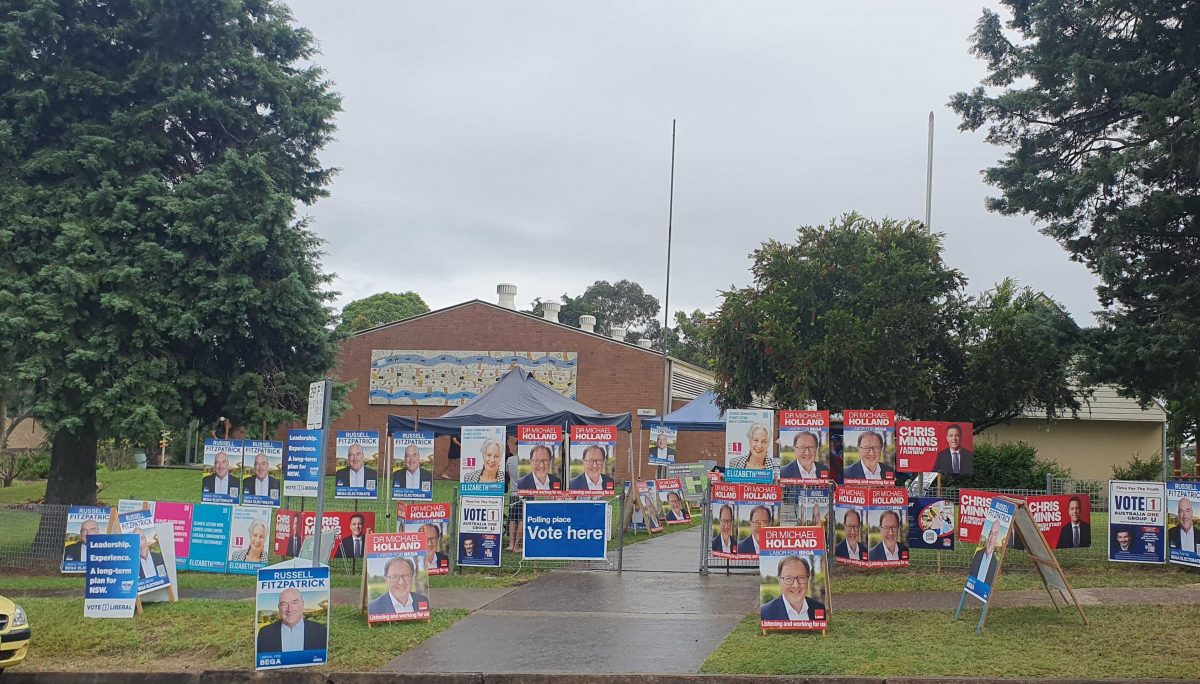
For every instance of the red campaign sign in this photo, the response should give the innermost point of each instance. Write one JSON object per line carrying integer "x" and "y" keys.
{"x": 791, "y": 538}
{"x": 804, "y": 419}
{"x": 392, "y": 543}
{"x": 760, "y": 492}
{"x": 593, "y": 433}
{"x": 851, "y": 496}
{"x": 713, "y": 476}
{"x": 413, "y": 512}
{"x": 539, "y": 433}
{"x": 924, "y": 446}
{"x": 858, "y": 418}
{"x": 337, "y": 523}
{"x": 724, "y": 491}
{"x": 893, "y": 497}
{"x": 973, "y": 505}
{"x": 382, "y": 608}
{"x": 1051, "y": 513}
{"x": 669, "y": 483}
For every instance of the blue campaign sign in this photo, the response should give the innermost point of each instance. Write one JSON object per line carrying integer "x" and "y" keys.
{"x": 302, "y": 463}
{"x": 749, "y": 475}
{"x": 565, "y": 530}
{"x": 931, "y": 524}
{"x": 210, "y": 538}
{"x": 112, "y": 575}
{"x": 985, "y": 564}
{"x": 291, "y": 617}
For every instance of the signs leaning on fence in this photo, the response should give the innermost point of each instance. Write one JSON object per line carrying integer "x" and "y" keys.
{"x": 432, "y": 521}
{"x": 1137, "y": 522}
{"x": 82, "y": 523}
{"x": 750, "y": 446}
{"x": 1182, "y": 501}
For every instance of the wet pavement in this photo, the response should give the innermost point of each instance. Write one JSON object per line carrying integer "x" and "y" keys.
{"x": 591, "y": 623}
{"x": 675, "y": 552}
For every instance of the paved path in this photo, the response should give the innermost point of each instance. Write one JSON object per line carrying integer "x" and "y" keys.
{"x": 675, "y": 552}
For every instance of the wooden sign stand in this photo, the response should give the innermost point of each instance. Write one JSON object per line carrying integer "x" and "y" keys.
{"x": 627, "y": 513}
{"x": 1043, "y": 559}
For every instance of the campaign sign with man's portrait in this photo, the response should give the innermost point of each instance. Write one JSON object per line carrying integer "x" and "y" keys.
{"x": 291, "y": 626}
{"x": 82, "y": 522}
{"x": 480, "y": 524}
{"x": 1183, "y": 498}
{"x": 985, "y": 565}
{"x": 1137, "y": 522}
{"x": 869, "y": 443}
{"x": 662, "y": 445}
{"x": 758, "y": 507}
{"x": 809, "y": 507}
{"x": 432, "y": 521}
{"x": 674, "y": 508}
{"x": 111, "y": 566}
{"x": 593, "y": 461}
{"x": 539, "y": 460}
{"x": 396, "y": 578}
{"x": 804, "y": 448}
{"x": 929, "y": 446}
{"x": 648, "y": 514}
{"x": 152, "y": 562}
{"x": 249, "y": 539}
{"x": 931, "y": 524}
{"x": 221, "y": 481}
{"x": 973, "y": 505}
{"x": 412, "y": 466}
{"x": 887, "y": 519}
{"x": 262, "y": 484}
{"x": 792, "y": 588}
{"x": 750, "y": 446}
{"x": 481, "y": 467}
{"x": 850, "y": 525}
{"x": 357, "y": 473}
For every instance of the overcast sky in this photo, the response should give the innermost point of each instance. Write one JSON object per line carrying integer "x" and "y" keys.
{"x": 529, "y": 143}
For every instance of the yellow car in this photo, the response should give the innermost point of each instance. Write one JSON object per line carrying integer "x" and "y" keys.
{"x": 14, "y": 634}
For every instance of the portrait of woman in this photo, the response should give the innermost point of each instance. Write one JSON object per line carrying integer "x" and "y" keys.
{"x": 255, "y": 550}
{"x": 490, "y": 453}
{"x": 759, "y": 455}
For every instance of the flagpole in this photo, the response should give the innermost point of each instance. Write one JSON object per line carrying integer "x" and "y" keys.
{"x": 929, "y": 176}
{"x": 666, "y": 396}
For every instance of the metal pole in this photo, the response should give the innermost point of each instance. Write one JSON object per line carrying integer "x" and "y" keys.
{"x": 666, "y": 398}
{"x": 320, "y": 523}
{"x": 929, "y": 176}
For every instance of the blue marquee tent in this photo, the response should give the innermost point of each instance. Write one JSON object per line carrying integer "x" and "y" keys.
{"x": 516, "y": 399}
{"x": 698, "y": 415}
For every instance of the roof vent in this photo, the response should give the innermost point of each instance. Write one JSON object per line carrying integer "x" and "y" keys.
{"x": 508, "y": 295}
{"x": 618, "y": 333}
{"x": 587, "y": 323}
{"x": 645, "y": 343}
{"x": 550, "y": 311}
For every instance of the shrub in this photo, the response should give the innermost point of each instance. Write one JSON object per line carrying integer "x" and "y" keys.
{"x": 1009, "y": 465}
{"x": 1149, "y": 470}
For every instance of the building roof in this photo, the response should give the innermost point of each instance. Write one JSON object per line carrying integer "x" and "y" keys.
{"x": 1106, "y": 403}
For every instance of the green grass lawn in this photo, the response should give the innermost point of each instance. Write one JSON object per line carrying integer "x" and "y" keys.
{"x": 1120, "y": 642}
{"x": 201, "y": 635}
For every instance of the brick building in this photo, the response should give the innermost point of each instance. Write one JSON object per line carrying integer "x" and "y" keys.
{"x": 606, "y": 374}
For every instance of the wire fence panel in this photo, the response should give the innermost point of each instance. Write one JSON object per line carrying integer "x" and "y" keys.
{"x": 21, "y": 545}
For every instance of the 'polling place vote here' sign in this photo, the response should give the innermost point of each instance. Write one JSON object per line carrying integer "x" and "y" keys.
{"x": 565, "y": 530}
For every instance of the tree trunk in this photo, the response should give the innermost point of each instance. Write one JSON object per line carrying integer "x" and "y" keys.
{"x": 72, "y": 479}
{"x": 72, "y": 482}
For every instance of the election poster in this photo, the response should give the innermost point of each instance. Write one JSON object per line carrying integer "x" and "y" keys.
{"x": 480, "y": 524}
{"x": 539, "y": 460}
{"x": 296, "y": 598}
{"x": 804, "y": 448}
{"x": 985, "y": 564}
{"x": 412, "y": 474}
{"x": 289, "y": 534}
{"x": 670, "y": 497}
{"x": 395, "y": 578}
{"x": 758, "y": 506}
{"x": 648, "y": 514}
{"x": 179, "y": 517}
{"x": 482, "y": 463}
{"x": 662, "y": 445}
{"x": 111, "y": 567}
{"x": 357, "y": 474}
{"x": 1182, "y": 498}
{"x": 749, "y": 442}
{"x": 931, "y": 524}
{"x": 82, "y": 523}
{"x": 1065, "y": 520}
{"x": 724, "y": 520}
{"x": 221, "y": 481}
{"x": 592, "y": 460}
{"x": 850, "y": 525}
{"x": 694, "y": 478}
{"x": 887, "y": 515}
{"x": 566, "y": 530}
{"x": 870, "y": 447}
{"x": 347, "y": 529}
{"x": 153, "y": 564}
{"x": 929, "y": 446}
{"x": 163, "y": 534}
{"x": 249, "y": 530}
{"x": 210, "y": 538}
{"x": 811, "y": 507}
{"x": 793, "y": 589}
{"x": 973, "y": 505}
{"x": 264, "y": 465}
{"x": 302, "y": 469}
{"x": 432, "y": 521}
{"x": 1137, "y": 522}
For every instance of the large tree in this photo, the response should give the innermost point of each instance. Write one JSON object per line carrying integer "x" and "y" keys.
{"x": 865, "y": 314}
{"x": 1098, "y": 104}
{"x": 151, "y": 265}
{"x": 380, "y": 308}
{"x": 623, "y": 303}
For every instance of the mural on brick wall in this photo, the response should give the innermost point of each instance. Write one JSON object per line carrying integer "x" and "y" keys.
{"x": 452, "y": 378}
